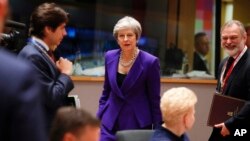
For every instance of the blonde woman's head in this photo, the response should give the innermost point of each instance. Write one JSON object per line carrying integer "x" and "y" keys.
{"x": 177, "y": 105}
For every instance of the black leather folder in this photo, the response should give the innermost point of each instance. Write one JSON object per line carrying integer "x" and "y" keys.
{"x": 222, "y": 108}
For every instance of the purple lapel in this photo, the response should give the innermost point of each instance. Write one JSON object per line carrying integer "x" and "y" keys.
{"x": 133, "y": 74}
{"x": 112, "y": 67}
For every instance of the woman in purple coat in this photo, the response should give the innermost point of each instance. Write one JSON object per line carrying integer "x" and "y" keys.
{"x": 131, "y": 94}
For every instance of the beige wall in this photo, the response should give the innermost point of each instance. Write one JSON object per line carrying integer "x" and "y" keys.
{"x": 241, "y": 11}
{"x": 89, "y": 93}
{"x": 185, "y": 26}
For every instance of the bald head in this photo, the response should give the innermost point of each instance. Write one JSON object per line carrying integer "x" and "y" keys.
{"x": 3, "y": 12}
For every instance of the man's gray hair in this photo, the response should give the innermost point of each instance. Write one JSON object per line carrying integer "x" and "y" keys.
{"x": 234, "y": 22}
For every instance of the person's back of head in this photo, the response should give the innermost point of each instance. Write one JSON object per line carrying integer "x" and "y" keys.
{"x": 71, "y": 124}
{"x": 177, "y": 107}
{"x": 46, "y": 14}
{"x": 201, "y": 43}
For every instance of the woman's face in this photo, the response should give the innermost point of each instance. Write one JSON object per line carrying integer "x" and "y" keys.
{"x": 126, "y": 39}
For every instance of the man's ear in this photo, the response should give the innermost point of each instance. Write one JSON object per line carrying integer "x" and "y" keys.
{"x": 47, "y": 30}
{"x": 68, "y": 137}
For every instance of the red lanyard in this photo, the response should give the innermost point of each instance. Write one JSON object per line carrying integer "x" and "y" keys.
{"x": 225, "y": 80}
{"x": 229, "y": 73}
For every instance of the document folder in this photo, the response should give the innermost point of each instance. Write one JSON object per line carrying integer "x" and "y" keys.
{"x": 222, "y": 108}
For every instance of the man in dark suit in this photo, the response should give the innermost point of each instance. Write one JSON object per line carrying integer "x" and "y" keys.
{"x": 201, "y": 42}
{"x": 234, "y": 81}
{"x": 21, "y": 117}
{"x": 47, "y": 29}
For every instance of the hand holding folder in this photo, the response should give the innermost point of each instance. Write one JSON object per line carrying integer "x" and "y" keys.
{"x": 222, "y": 108}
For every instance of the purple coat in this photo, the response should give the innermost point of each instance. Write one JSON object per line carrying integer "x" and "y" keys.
{"x": 140, "y": 91}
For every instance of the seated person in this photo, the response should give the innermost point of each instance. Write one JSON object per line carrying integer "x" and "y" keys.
{"x": 177, "y": 108}
{"x": 71, "y": 124}
{"x": 201, "y": 44}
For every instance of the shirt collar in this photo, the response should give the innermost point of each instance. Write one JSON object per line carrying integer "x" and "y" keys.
{"x": 201, "y": 56}
{"x": 41, "y": 42}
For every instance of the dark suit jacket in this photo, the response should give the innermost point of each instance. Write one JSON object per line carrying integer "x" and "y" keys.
{"x": 22, "y": 117}
{"x": 199, "y": 64}
{"x": 238, "y": 86}
{"x": 56, "y": 85}
{"x": 140, "y": 91}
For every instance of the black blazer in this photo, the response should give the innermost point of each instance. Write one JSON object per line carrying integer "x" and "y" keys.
{"x": 21, "y": 117}
{"x": 238, "y": 86}
{"x": 199, "y": 64}
{"x": 56, "y": 85}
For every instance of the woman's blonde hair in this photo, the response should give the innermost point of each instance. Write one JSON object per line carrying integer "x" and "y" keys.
{"x": 175, "y": 103}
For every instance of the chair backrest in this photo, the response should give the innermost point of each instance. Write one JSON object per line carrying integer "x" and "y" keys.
{"x": 134, "y": 135}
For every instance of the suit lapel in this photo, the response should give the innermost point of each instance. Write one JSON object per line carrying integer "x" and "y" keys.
{"x": 133, "y": 74}
{"x": 112, "y": 66}
{"x": 51, "y": 64}
{"x": 219, "y": 89}
{"x": 236, "y": 70}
